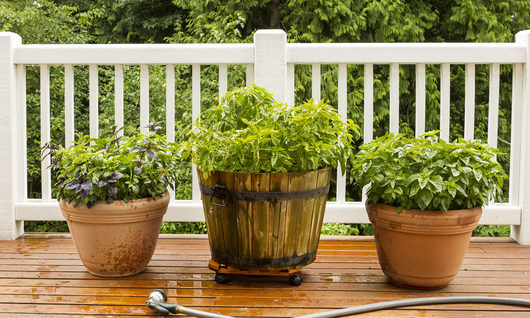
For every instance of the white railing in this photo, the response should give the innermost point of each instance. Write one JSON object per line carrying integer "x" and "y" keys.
{"x": 270, "y": 62}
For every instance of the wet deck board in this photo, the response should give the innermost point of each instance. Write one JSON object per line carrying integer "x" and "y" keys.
{"x": 42, "y": 275}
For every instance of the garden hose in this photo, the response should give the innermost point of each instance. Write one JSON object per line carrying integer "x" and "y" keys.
{"x": 157, "y": 301}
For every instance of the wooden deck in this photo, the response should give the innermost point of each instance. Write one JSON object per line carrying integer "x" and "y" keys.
{"x": 43, "y": 275}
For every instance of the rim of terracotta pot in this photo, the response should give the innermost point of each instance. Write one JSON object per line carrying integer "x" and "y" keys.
{"x": 428, "y": 222}
{"x": 117, "y": 212}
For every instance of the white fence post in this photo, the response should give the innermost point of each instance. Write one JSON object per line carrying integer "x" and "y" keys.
{"x": 270, "y": 62}
{"x": 9, "y": 227}
{"x": 521, "y": 233}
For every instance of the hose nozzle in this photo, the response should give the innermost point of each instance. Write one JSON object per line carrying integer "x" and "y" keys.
{"x": 157, "y": 301}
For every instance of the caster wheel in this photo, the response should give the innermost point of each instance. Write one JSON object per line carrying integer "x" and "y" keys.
{"x": 221, "y": 278}
{"x": 296, "y": 280}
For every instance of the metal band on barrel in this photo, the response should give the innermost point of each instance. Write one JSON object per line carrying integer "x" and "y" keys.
{"x": 231, "y": 260}
{"x": 221, "y": 192}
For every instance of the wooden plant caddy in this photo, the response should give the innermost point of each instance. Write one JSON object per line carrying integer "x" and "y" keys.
{"x": 222, "y": 271}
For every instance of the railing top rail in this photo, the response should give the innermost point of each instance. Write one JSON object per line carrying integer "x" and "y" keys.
{"x": 405, "y": 53}
{"x": 300, "y": 53}
{"x": 134, "y": 54}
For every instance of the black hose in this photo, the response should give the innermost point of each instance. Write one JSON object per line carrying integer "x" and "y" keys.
{"x": 157, "y": 301}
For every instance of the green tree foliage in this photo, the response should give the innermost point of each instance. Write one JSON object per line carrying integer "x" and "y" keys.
{"x": 42, "y": 21}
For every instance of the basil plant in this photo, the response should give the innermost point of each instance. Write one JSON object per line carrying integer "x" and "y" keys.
{"x": 250, "y": 132}
{"x": 428, "y": 173}
{"x": 114, "y": 167}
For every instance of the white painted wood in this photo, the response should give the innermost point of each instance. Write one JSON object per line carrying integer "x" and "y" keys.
{"x": 191, "y": 211}
{"x": 110, "y": 54}
{"x": 275, "y": 60}
{"x": 170, "y": 102}
{"x": 93, "y": 90}
{"x": 22, "y": 171}
{"x": 343, "y": 112}
{"x": 342, "y": 91}
{"x": 516, "y": 133}
{"x": 118, "y": 97}
{"x": 420, "y": 100}
{"x": 394, "y": 98}
{"x": 493, "y": 109}
{"x": 9, "y": 163}
{"x": 270, "y": 64}
{"x": 195, "y": 112}
{"x": 45, "y": 130}
{"x": 144, "y": 98}
{"x": 170, "y": 110}
{"x": 223, "y": 80}
{"x": 69, "y": 129}
{"x": 290, "y": 84}
{"x": 521, "y": 233}
{"x": 298, "y": 53}
{"x": 405, "y": 53}
{"x": 316, "y": 86}
{"x": 249, "y": 74}
{"x": 368, "y": 130}
{"x": 355, "y": 212}
{"x": 445, "y": 84}
{"x": 469, "y": 115}
{"x": 368, "y": 103}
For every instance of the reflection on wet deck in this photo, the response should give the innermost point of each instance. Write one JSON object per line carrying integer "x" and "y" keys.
{"x": 42, "y": 274}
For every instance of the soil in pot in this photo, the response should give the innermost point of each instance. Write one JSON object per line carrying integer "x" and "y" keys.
{"x": 117, "y": 239}
{"x": 421, "y": 249}
{"x": 264, "y": 221}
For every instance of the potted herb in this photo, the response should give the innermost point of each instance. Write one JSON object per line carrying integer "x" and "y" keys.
{"x": 112, "y": 192}
{"x": 425, "y": 199}
{"x": 264, "y": 170}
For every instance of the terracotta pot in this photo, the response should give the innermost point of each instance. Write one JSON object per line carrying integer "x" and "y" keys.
{"x": 421, "y": 249}
{"x": 117, "y": 239}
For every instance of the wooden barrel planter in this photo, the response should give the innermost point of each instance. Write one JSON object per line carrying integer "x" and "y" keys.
{"x": 264, "y": 223}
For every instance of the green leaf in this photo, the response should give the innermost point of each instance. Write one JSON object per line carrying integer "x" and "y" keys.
{"x": 427, "y": 173}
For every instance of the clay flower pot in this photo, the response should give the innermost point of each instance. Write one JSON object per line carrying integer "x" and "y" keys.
{"x": 116, "y": 239}
{"x": 421, "y": 249}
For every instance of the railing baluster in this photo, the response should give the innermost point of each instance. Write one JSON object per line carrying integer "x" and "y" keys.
{"x": 22, "y": 176}
{"x": 195, "y": 112}
{"x": 170, "y": 109}
{"x": 420, "y": 100}
{"x": 144, "y": 98}
{"x": 223, "y": 76}
{"x": 45, "y": 129}
{"x": 515, "y": 139}
{"x": 249, "y": 74}
{"x": 170, "y": 102}
{"x": 343, "y": 112}
{"x": 368, "y": 130}
{"x": 118, "y": 97}
{"x": 68, "y": 105}
{"x": 368, "y": 102}
{"x": 289, "y": 99}
{"x": 394, "y": 98}
{"x": 469, "y": 117}
{"x": 493, "y": 111}
{"x": 445, "y": 87}
{"x": 93, "y": 97}
{"x": 315, "y": 82}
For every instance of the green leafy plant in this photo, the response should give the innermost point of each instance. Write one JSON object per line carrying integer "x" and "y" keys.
{"x": 427, "y": 173}
{"x": 114, "y": 167}
{"x": 250, "y": 132}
